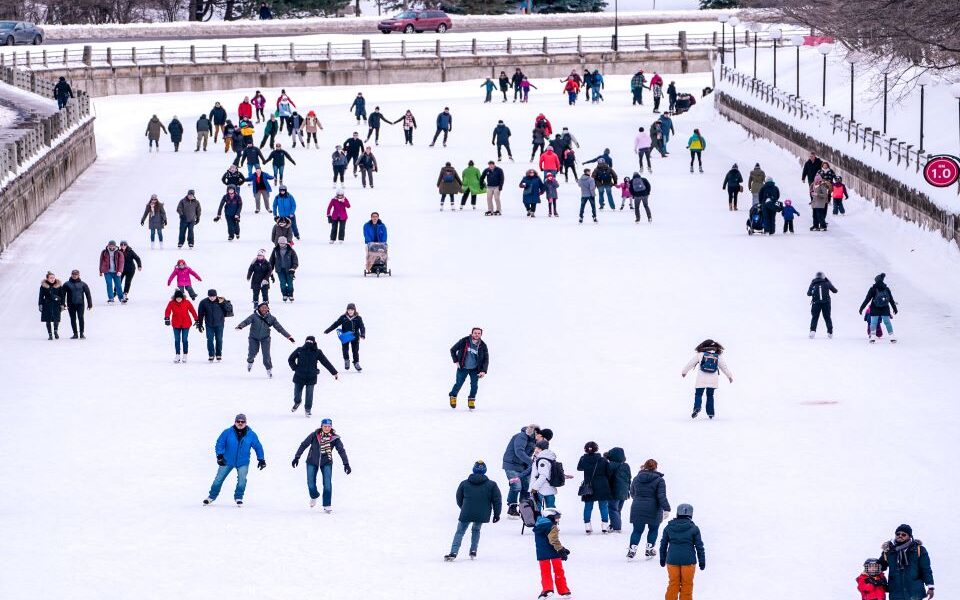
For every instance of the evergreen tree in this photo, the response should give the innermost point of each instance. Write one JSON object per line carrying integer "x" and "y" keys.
{"x": 707, "y": 4}
{"x": 310, "y": 8}
{"x": 479, "y": 7}
{"x": 568, "y": 6}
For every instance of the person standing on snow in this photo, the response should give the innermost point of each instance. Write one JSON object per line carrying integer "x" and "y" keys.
{"x": 696, "y": 145}
{"x": 732, "y": 182}
{"x": 539, "y": 141}
{"x": 245, "y": 110}
{"x": 550, "y": 187}
{"x": 177, "y": 315}
{"x": 312, "y": 125}
{"x": 368, "y": 166}
{"x": 51, "y": 302}
{"x": 131, "y": 264}
{"x": 571, "y": 88}
{"x": 156, "y": 218}
{"x": 337, "y": 216}
{"x": 619, "y": 484}
{"x": 533, "y": 188}
{"x": 204, "y": 130}
{"x": 540, "y": 488}
{"x": 175, "y": 127}
{"x": 260, "y": 184}
{"x": 359, "y": 108}
{"x": 710, "y": 363}
{"x": 501, "y": 139}
{"x": 595, "y": 486}
{"x": 472, "y": 358}
{"x": 657, "y": 90}
{"x": 285, "y": 207}
{"x": 111, "y": 268}
{"x": 471, "y": 185}
{"x": 477, "y": 497}
{"x": 755, "y": 182}
{"x": 649, "y": 507}
{"x": 182, "y": 273}
{"x": 550, "y": 554}
{"x": 515, "y": 82}
{"x": 232, "y": 176}
{"x": 233, "y": 204}
{"x": 75, "y": 291}
{"x": 270, "y": 131}
{"x": 444, "y": 126}
{"x": 350, "y": 321}
{"x": 819, "y": 201}
{"x": 211, "y": 315}
{"x": 839, "y": 194}
{"x": 258, "y": 102}
{"x": 819, "y": 292}
{"x": 588, "y": 189}
{"x": 872, "y": 584}
{"x": 789, "y": 212}
{"x": 492, "y": 178}
{"x": 260, "y": 274}
{"x": 409, "y": 123}
{"x": 339, "y": 160}
{"x": 908, "y": 563}
{"x": 680, "y": 550}
{"x": 525, "y": 86}
{"x": 303, "y": 362}
{"x": 252, "y": 156}
{"x": 810, "y": 169}
{"x": 637, "y": 83}
{"x": 770, "y": 201}
{"x": 517, "y": 463}
{"x": 62, "y": 92}
{"x": 640, "y": 193}
{"x": 233, "y": 452}
{"x": 261, "y": 322}
{"x": 672, "y": 96}
{"x": 322, "y": 443}
{"x": 504, "y": 82}
{"x": 218, "y": 115}
{"x": 880, "y": 299}
{"x": 353, "y": 146}
{"x": 448, "y": 184}
{"x": 154, "y": 126}
{"x": 488, "y": 86}
{"x": 285, "y": 108}
{"x": 189, "y": 210}
{"x": 643, "y": 146}
{"x": 285, "y": 262}
{"x": 373, "y": 125}
{"x": 606, "y": 178}
{"x": 279, "y": 157}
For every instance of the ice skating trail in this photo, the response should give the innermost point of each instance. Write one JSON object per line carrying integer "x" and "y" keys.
{"x": 821, "y": 447}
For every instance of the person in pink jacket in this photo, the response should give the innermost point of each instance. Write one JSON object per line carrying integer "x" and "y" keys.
{"x": 625, "y": 194}
{"x": 337, "y": 216}
{"x": 258, "y": 102}
{"x": 182, "y": 273}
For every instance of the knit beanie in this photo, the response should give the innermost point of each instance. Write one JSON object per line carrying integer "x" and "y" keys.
{"x": 479, "y": 468}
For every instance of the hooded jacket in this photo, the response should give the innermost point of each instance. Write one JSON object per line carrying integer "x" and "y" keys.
{"x": 619, "y": 473}
{"x": 154, "y": 126}
{"x": 478, "y": 496}
{"x": 756, "y": 180}
{"x": 260, "y": 326}
{"x": 519, "y": 452}
{"x": 540, "y": 475}
{"x": 51, "y": 300}
{"x": 649, "y": 493}
{"x": 909, "y": 575}
{"x": 877, "y": 287}
{"x": 819, "y": 290}
{"x": 681, "y": 544}
{"x": 304, "y": 360}
{"x": 179, "y": 313}
{"x": 157, "y": 217}
{"x": 448, "y": 181}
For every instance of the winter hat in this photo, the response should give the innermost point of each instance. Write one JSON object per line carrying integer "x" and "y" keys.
{"x": 282, "y": 188}
{"x": 327, "y": 421}
{"x": 339, "y": 192}
{"x": 769, "y": 179}
{"x": 178, "y": 294}
{"x": 788, "y": 202}
{"x": 500, "y": 122}
{"x": 905, "y": 529}
{"x": 734, "y": 166}
{"x": 351, "y": 305}
{"x": 479, "y": 468}
{"x": 756, "y": 166}
{"x": 191, "y": 193}
{"x": 75, "y": 272}
{"x": 211, "y": 292}
{"x": 240, "y": 417}
{"x": 112, "y": 243}
{"x": 546, "y": 433}
{"x": 311, "y": 340}
{"x": 543, "y": 444}
{"x": 123, "y": 242}
{"x": 685, "y": 510}
{"x": 262, "y": 252}
{"x": 879, "y": 278}
{"x": 282, "y": 240}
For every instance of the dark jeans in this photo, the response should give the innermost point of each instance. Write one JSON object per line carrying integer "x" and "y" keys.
{"x": 272, "y": 137}
{"x": 76, "y": 316}
{"x": 504, "y": 145}
{"x": 286, "y": 282}
{"x": 444, "y": 196}
{"x": 653, "y": 529}
{"x": 214, "y": 340}
{"x": 462, "y": 529}
{"x": 645, "y": 152}
{"x": 466, "y": 194}
{"x": 408, "y": 136}
{"x": 593, "y": 206}
{"x": 462, "y": 375}
{"x": 352, "y": 159}
{"x": 536, "y": 147}
{"x": 820, "y": 218}
{"x": 375, "y": 132}
{"x": 337, "y": 229}
{"x": 614, "y": 507}
{"x": 186, "y": 232}
{"x": 698, "y": 399}
{"x": 788, "y": 225}
{"x": 445, "y": 133}
{"x": 656, "y": 103}
{"x": 815, "y": 311}
{"x": 260, "y": 116}
{"x": 353, "y": 344}
{"x": 732, "y": 193}
{"x": 838, "y": 207}
{"x": 326, "y": 472}
{"x": 637, "y": 96}
{"x": 126, "y": 278}
{"x": 636, "y": 207}
{"x": 188, "y": 289}
{"x": 180, "y": 337}
{"x": 338, "y": 171}
{"x": 261, "y": 290}
{"x": 298, "y": 393}
{"x": 696, "y": 154}
{"x": 157, "y": 232}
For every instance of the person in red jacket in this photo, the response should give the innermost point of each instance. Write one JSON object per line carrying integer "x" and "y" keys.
{"x": 839, "y": 193}
{"x": 549, "y": 162}
{"x": 656, "y": 80}
{"x": 544, "y": 123}
{"x": 572, "y": 88}
{"x": 245, "y": 110}
{"x": 872, "y": 583}
{"x": 177, "y": 315}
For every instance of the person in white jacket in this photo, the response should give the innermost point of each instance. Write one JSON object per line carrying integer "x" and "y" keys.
{"x": 543, "y": 459}
{"x": 643, "y": 145}
{"x": 710, "y": 363}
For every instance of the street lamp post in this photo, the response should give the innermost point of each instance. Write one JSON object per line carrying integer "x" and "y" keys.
{"x": 733, "y": 23}
{"x": 955, "y": 90}
{"x": 723, "y": 37}
{"x": 852, "y": 59}
{"x": 924, "y": 80}
{"x": 824, "y": 49}
{"x": 885, "y": 74}
{"x": 755, "y": 27}
{"x": 616, "y": 24}
{"x": 775, "y": 35}
{"x": 797, "y": 41}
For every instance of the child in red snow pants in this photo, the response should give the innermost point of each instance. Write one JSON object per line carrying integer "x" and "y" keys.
{"x": 547, "y": 578}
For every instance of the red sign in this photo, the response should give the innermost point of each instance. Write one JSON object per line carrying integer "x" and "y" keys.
{"x": 942, "y": 170}
{"x": 816, "y": 40}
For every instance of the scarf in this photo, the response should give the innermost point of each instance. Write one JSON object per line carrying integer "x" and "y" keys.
{"x": 326, "y": 439}
{"x": 901, "y": 550}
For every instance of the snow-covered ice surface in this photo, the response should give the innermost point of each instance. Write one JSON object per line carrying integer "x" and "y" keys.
{"x": 820, "y": 449}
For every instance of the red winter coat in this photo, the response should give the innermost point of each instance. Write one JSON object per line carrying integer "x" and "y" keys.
{"x": 547, "y": 128}
{"x": 571, "y": 86}
{"x": 181, "y": 312}
{"x": 105, "y": 261}
{"x": 657, "y": 80}
{"x": 245, "y": 110}
{"x": 549, "y": 161}
{"x": 872, "y": 591}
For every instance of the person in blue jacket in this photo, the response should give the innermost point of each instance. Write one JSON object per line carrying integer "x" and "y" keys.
{"x": 374, "y": 230}
{"x": 908, "y": 564}
{"x": 532, "y": 190}
{"x": 233, "y": 452}
{"x": 681, "y": 549}
{"x": 284, "y": 205}
{"x": 444, "y": 126}
{"x": 359, "y": 107}
{"x": 666, "y": 127}
{"x": 517, "y": 458}
{"x": 596, "y": 83}
{"x": 789, "y": 212}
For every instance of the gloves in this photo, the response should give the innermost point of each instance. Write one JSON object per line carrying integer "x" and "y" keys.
{"x": 221, "y": 460}
{"x": 197, "y": 222}
{"x": 564, "y": 553}
{"x": 291, "y": 339}
{"x": 496, "y": 518}
{"x": 216, "y": 219}
{"x": 261, "y": 464}
{"x": 295, "y": 462}
{"x": 166, "y": 321}
{"x": 703, "y": 566}
{"x": 347, "y": 469}
{"x": 200, "y": 326}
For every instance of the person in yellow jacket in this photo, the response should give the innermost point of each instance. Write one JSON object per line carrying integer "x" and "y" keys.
{"x": 696, "y": 145}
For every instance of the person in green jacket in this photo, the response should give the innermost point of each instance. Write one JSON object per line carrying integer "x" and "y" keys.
{"x": 696, "y": 145}
{"x": 681, "y": 549}
{"x": 471, "y": 185}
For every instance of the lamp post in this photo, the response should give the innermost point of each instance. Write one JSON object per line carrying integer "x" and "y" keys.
{"x": 955, "y": 90}
{"x": 797, "y": 41}
{"x": 924, "y": 80}
{"x": 723, "y": 37}
{"x": 885, "y": 87}
{"x": 851, "y": 58}
{"x": 733, "y": 23}
{"x": 616, "y": 24}
{"x": 775, "y": 35}
{"x": 824, "y": 49}
{"x": 755, "y": 28}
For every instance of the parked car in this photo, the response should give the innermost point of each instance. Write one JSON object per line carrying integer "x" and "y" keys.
{"x": 18, "y": 32}
{"x": 417, "y": 20}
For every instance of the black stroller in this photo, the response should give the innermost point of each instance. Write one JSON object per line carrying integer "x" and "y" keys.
{"x": 755, "y": 220}
{"x": 683, "y": 103}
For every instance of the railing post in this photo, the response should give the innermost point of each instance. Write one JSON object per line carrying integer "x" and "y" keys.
{"x": 646, "y": 41}
{"x": 28, "y": 59}
{"x": 109, "y": 56}
{"x": 133, "y": 55}
{"x": 682, "y": 41}
{"x": 509, "y": 45}
{"x": 193, "y": 53}
{"x": 87, "y": 55}
{"x": 64, "y": 57}
{"x": 329, "y": 51}
{"x": 438, "y": 47}
{"x": 544, "y": 44}
{"x": 293, "y": 51}
{"x": 473, "y": 46}
{"x": 403, "y": 47}
{"x": 44, "y": 57}
{"x": 163, "y": 55}
{"x": 713, "y": 42}
{"x": 579, "y": 44}
{"x": 256, "y": 52}
{"x": 365, "y": 49}
{"x": 223, "y": 53}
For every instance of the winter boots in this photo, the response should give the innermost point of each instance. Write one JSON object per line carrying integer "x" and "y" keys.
{"x": 450, "y": 558}
{"x": 471, "y": 403}
{"x": 632, "y": 551}
{"x": 356, "y": 365}
{"x": 453, "y": 401}
{"x": 650, "y": 552}
{"x": 513, "y": 512}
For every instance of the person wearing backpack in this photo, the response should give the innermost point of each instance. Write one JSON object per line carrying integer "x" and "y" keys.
{"x": 708, "y": 358}
{"x": 650, "y": 505}
{"x": 543, "y": 482}
{"x": 448, "y": 183}
{"x": 477, "y": 496}
{"x": 640, "y": 191}
{"x": 819, "y": 292}
{"x": 880, "y": 299}
{"x": 595, "y": 486}
{"x": 606, "y": 178}
{"x": 619, "y": 483}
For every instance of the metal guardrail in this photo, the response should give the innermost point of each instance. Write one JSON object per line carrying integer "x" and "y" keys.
{"x": 41, "y": 59}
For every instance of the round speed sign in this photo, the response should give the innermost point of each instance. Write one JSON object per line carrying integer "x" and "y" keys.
{"x": 942, "y": 170}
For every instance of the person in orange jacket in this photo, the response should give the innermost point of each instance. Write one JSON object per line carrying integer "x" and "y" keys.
{"x": 177, "y": 315}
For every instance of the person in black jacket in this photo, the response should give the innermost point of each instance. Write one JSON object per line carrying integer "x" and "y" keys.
{"x": 640, "y": 192}
{"x": 477, "y": 497}
{"x": 252, "y": 156}
{"x": 279, "y": 157}
{"x": 285, "y": 263}
{"x": 219, "y": 117}
{"x": 303, "y": 362}
{"x": 368, "y": 166}
{"x": 770, "y": 203}
{"x": 650, "y": 504}
{"x": 501, "y": 138}
{"x": 350, "y": 321}
{"x": 131, "y": 264}
{"x": 880, "y": 299}
{"x": 619, "y": 484}
{"x": 373, "y": 125}
{"x": 233, "y": 176}
{"x": 176, "y": 133}
{"x": 62, "y": 92}
{"x": 260, "y": 274}
{"x": 819, "y": 292}
{"x": 322, "y": 443}
{"x": 211, "y": 315}
{"x": 75, "y": 291}
{"x": 810, "y": 169}
{"x": 353, "y": 146}
{"x": 51, "y": 301}
{"x": 472, "y": 359}
{"x": 733, "y": 183}
{"x": 596, "y": 481}
{"x": 492, "y": 178}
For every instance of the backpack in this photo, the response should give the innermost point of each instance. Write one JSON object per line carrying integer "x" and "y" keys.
{"x": 557, "y": 477}
{"x": 710, "y": 362}
{"x": 637, "y": 186}
{"x": 882, "y": 299}
{"x": 448, "y": 178}
{"x": 227, "y": 308}
{"x": 528, "y": 513}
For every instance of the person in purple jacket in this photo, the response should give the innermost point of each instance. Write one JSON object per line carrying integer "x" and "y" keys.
{"x": 337, "y": 216}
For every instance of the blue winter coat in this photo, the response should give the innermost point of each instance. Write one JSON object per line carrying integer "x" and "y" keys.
{"x": 532, "y": 189}
{"x": 619, "y": 474}
{"x": 666, "y": 126}
{"x": 374, "y": 233}
{"x": 284, "y": 206}
{"x": 908, "y": 582}
{"x": 545, "y": 550}
{"x": 789, "y": 212}
{"x": 236, "y": 450}
{"x": 649, "y": 493}
{"x": 359, "y": 106}
{"x": 681, "y": 544}
{"x": 264, "y": 180}
{"x": 519, "y": 452}
{"x": 445, "y": 121}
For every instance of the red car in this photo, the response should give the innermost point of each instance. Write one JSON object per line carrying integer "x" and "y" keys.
{"x": 417, "y": 20}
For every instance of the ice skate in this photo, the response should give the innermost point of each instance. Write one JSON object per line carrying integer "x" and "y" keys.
{"x": 207, "y": 501}
{"x": 588, "y": 527}
{"x": 604, "y": 528}
{"x": 632, "y": 552}
{"x": 313, "y": 502}
{"x": 813, "y": 334}
{"x": 270, "y": 373}
{"x": 650, "y": 551}
{"x": 239, "y": 503}
{"x": 346, "y": 364}
{"x": 450, "y": 558}
{"x": 356, "y": 365}
{"x": 249, "y": 367}
{"x": 176, "y": 359}
{"x": 471, "y": 404}
{"x": 453, "y": 401}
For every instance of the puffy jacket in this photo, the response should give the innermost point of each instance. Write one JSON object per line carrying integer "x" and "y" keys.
{"x": 588, "y": 187}
{"x": 532, "y": 189}
{"x": 879, "y": 311}
{"x": 551, "y": 186}
{"x": 704, "y": 379}
{"x": 345, "y": 323}
{"x": 157, "y": 218}
{"x": 374, "y": 233}
{"x": 337, "y": 209}
{"x": 596, "y": 471}
{"x": 681, "y": 544}
{"x": 182, "y": 275}
{"x": 769, "y": 191}
{"x": 287, "y": 262}
{"x": 204, "y": 125}
{"x": 649, "y": 493}
{"x": 272, "y": 127}
{"x": 175, "y": 128}
{"x": 258, "y": 273}
{"x": 234, "y": 178}
{"x": 318, "y": 458}
{"x": 540, "y": 475}
{"x": 154, "y": 126}
{"x": 646, "y": 184}
{"x": 303, "y": 362}
{"x": 604, "y": 176}
{"x": 839, "y": 191}
{"x": 546, "y": 535}
{"x": 51, "y": 300}
{"x": 471, "y": 181}
{"x": 75, "y": 291}
{"x": 179, "y": 313}
{"x": 619, "y": 473}
{"x": 732, "y": 180}
{"x": 549, "y": 161}
{"x": 118, "y": 263}
{"x": 284, "y": 205}
{"x": 909, "y": 580}
{"x": 339, "y": 159}
{"x": 235, "y": 446}
{"x": 459, "y": 354}
{"x": 478, "y": 496}
{"x": 260, "y": 326}
{"x": 492, "y": 177}
{"x": 819, "y": 290}
{"x": 245, "y": 110}
{"x": 219, "y": 115}
{"x": 211, "y": 312}
{"x": 519, "y": 452}
{"x": 189, "y": 210}
{"x": 251, "y": 155}
{"x": 872, "y": 588}
{"x": 756, "y": 180}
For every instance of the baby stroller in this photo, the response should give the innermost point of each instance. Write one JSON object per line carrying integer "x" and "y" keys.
{"x": 755, "y": 219}
{"x": 376, "y": 260}
{"x": 683, "y": 103}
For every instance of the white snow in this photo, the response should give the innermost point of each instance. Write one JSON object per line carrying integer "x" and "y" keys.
{"x": 821, "y": 447}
